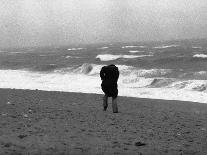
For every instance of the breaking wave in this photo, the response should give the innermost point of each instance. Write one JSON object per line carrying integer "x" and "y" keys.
{"x": 102, "y": 48}
{"x": 110, "y": 57}
{"x": 152, "y": 78}
{"x": 201, "y": 75}
{"x": 200, "y": 56}
{"x": 92, "y": 69}
{"x": 190, "y": 85}
{"x": 197, "y": 47}
{"x": 129, "y": 46}
{"x": 85, "y": 78}
{"x": 75, "y": 49}
{"x": 68, "y": 56}
{"x": 165, "y": 46}
{"x": 167, "y": 70}
{"x": 136, "y": 51}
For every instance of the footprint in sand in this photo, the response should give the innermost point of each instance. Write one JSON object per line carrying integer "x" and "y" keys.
{"x": 8, "y": 145}
{"x": 140, "y": 144}
{"x": 22, "y": 136}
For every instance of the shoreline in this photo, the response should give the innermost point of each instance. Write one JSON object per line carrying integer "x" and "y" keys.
{"x": 154, "y": 88}
{"x": 53, "y": 122}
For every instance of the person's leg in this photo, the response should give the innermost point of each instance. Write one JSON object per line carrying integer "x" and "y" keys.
{"x": 114, "y": 105}
{"x": 105, "y": 102}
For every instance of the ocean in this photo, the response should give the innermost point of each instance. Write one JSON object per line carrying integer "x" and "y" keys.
{"x": 175, "y": 70}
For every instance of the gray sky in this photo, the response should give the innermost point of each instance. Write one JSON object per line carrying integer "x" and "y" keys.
{"x": 62, "y": 22}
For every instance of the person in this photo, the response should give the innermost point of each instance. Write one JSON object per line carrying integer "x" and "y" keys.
{"x": 109, "y": 76}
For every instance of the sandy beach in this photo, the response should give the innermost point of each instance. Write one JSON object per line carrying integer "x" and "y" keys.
{"x": 40, "y": 122}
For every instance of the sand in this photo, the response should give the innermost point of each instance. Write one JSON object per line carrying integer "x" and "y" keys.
{"x": 40, "y": 122}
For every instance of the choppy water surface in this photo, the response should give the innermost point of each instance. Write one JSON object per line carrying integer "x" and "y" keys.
{"x": 171, "y": 71}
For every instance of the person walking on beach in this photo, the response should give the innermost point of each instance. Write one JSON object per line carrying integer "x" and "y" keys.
{"x": 109, "y": 76}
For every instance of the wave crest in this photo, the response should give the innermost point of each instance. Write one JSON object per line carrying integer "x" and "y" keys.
{"x": 200, "y": 56}
{"x": 165, "y": 46}
{"x": 190, "y": 85}
{"x": 136, "y": 51}
{"x": 110, "y": 57}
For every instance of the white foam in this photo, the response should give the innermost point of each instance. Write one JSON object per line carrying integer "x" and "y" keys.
{"x": 12, "y": 52}
{"x": 190, "y": 85}
{"x": 197, "y": 47}
{"x": 152, "y": 72}
{"x": 147, "y": 73}
{"x": 200, "y": 56}
{"x": 165, "y": 46}
{"x": 109, "y": 57}
{"x": 74, "y": 82}
{"x": 136, "y": 51}
{"x": 92, "y": 69}
{"x": 102, "y": 48}
{"x": 165, "y": 94}
{"x": 129, "y": 46}
{"x": 50, "y": 82}
{"x": 71, "y": 49}
{"x": 75, "y": 49}
{"x": 17, "y": 52}
{"x": 134, "y": 82}
{"x": 201, "y": 73}
{"x": 134, "y": 56}
{"x": 68, "y": 56}
{"x": 96, "y": 68}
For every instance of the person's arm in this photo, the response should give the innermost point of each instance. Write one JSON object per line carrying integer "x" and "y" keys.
{"x": 102, "y": 74}
{"x": 117, "y": 73}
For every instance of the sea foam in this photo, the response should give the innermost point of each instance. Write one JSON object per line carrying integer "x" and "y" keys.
{"x": 75, "y": 49}
{"x": 133, "y": 46}
{"x": 200, "y": 56}
{"x": 109, "y": 57}
{"x": 136, "y": 51}
{"x": 165, "y": 46}
{"x": 129, "y": 46}
{"x": 197, "y": 47}
{"x": 82, "y": 82}
{"x": 102, "y": 48}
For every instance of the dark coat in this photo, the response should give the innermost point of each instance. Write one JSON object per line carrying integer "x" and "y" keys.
{"x": 109, "y": 76}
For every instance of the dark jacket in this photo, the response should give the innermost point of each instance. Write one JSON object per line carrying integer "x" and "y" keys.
{"x": 109, "y": 76}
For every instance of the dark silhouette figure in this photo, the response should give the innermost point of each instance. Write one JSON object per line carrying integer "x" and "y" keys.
{"x": 109, "y": 76}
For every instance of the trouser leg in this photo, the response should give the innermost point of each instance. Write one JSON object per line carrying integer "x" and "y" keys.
{"x": 114, "y": 105}
{"x": 105, "y": 102}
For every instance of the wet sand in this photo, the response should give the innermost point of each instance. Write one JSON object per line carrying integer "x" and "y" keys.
{"x": 40, "y": 122}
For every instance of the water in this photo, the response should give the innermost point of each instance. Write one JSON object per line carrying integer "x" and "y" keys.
{"x": 165, "y": 70}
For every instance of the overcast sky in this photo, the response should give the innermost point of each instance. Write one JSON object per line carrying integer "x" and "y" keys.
{"x": 62, "y": 22}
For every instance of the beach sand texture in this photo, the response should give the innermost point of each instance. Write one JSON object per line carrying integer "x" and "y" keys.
{"x": 40, "y": 122}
